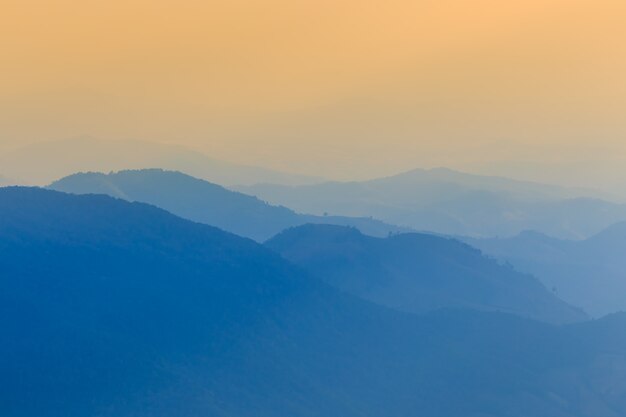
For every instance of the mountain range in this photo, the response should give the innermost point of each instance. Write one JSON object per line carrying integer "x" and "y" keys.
{"x": 588, "y": 273}
{"x": 454, "y": 203}
{"x": 418, "y": 272}
{"x": 571, "y": 269}
{"x": 44, "y": 162}
{"x": 437, "y": 200}
{"x": 208, "y": 203}
{"x": 112, "y": 308}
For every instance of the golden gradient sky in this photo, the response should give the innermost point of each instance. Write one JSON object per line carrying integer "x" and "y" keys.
{"x": 349, "y": 88}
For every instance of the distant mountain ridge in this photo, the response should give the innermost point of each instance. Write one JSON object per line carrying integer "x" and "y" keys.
{"x": 418, "y": 273}
{"x": 42, "y": 163}
{"x": 590, "y": 273}
{"x": 519, "y": 188}
{"x": 207, "y": 203}
{"x": 5, "y": 182}
{"x": 454, "y": 203}
{"x": 118, "y": 309}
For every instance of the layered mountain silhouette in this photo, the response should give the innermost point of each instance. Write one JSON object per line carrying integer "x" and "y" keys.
{"x": 590, "y": 273}
{"x": 111, "y": 308}
{"x": 207, "y": 203}
{"x": 454, "y": 203}
{"x": 42, "y": 163}
{"x": 418, "y": 272}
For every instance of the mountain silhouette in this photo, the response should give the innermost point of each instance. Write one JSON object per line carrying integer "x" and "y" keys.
{"x": 587, "y": 273}
{"x": 454, "y": 203}
{"x": 112, "y": 308}
{"x": 207, "y": 203}
{"x": 42, "y": 163}
{"x": 418, "y": 272}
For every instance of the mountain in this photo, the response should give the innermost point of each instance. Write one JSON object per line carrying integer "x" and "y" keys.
{"x": 417, "y": 273}
{"x": 44, "y": 162}
{"x": 111, "y": 308}
{"x": 588, "y": 273}
{"x": 201, "y": 201}
{"x": 454, "y": 203}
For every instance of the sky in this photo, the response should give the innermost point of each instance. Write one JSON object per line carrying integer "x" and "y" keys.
{"x": 532, "y": 89}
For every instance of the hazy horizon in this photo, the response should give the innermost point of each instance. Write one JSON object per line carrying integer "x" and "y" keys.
{"x": 531, "y": 90}
{"x": 518, "y": 171}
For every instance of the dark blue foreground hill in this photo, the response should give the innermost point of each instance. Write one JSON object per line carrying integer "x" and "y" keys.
{"x": 418, "y": 272}
{"x": 109, "y": 308}
{"x": 208, "y": 203}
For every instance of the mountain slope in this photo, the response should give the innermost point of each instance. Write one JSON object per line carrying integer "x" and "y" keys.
{"x": 42, "y": 163}
{"x": 417, "y": 272}
{"x": 454, "y": 203}
{"x": 110, "y": 308}
{"x": 588, "y": 273}
{"x": 207, "y": 203}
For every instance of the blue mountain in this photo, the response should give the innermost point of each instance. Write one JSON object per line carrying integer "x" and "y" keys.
{"x": 208, "y": 203}
{"x": 418, "y": 272}
{"x": 589, "y": 273}
{"x": 112, "y": 308}
{"x": 454, "y": 203}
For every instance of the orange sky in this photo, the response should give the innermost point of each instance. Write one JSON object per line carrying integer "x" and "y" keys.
{"x": 353, "y": 88}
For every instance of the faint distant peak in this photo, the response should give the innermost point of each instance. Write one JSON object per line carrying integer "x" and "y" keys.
{"x": 43, "y": 162}
{"x": 615, "y": 232}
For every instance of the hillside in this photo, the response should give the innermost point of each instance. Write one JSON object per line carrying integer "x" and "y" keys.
{"x": 112, "y": 308}
{"x": 454, "y": 203}
{"x": 208, "y": 203}
{"x": 588, "y": 273}
{"x": 417, "y": 273}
